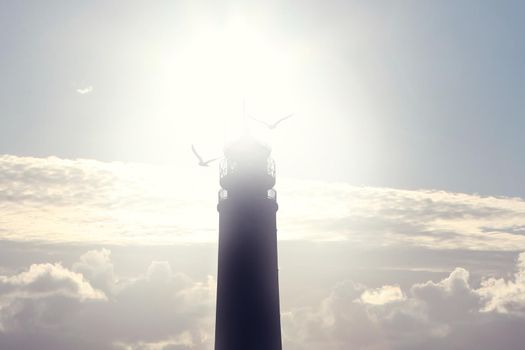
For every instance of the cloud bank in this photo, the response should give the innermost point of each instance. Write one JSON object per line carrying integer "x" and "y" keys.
{"x": 447, "y": 314}
{"x": 60, "y": 308}
{"x": 88, "y": 306}
{"x": 57, "y": 200}
{"x": 50, "y": 305}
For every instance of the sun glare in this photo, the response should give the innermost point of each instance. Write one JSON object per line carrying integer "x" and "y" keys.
{"x": 214, "y": 71}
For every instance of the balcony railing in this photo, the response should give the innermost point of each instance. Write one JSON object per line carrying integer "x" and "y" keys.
{"x": 271, "y": 194}
{"x": 223, "y": 194}
{"x": 224, "y": 168}
{"x": 227, "y": 167}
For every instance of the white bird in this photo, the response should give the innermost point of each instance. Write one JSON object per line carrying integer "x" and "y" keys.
{"x": 201, "y": 161}
{"x": 273, "y": 125}
{"x": 85, "y": 90}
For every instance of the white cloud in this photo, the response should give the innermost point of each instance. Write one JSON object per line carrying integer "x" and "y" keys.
{"x": 157, "y": 310}
{"x": 96, "y": 266}
{"x": 383, "y": 295}
{"x": 449, "y": 313}
{"x": 184, "y": 341}
{"x": 55, "y": 200}
{"x": 43, "y": 295}
{"x": 506, "y": 296}
{"x": 161, "y": 309}
{"x": 43, "y": 280}
{"x": 52, "y": 199}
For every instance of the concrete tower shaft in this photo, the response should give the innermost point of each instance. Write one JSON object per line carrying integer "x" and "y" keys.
{"x": 248, "y": 315}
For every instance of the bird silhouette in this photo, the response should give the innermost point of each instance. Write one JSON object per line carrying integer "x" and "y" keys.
{"x": 272, "y": 125}
{"x": 201, "y": 161}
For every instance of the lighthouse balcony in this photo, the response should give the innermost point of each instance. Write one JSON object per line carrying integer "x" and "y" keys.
{"x": 260, "y": 173}
{"x": 223, "y": 195}
{"x": 271, "y": 195}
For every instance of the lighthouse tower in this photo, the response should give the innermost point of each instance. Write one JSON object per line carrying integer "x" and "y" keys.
{"x": 248, "y": 315}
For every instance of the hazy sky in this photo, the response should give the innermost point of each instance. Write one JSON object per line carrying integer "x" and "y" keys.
{"x": 407, "y": 94}
{"x": 400, "y": 176}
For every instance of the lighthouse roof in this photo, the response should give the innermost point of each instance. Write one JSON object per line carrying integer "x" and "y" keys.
{"x": 247, "y": 148}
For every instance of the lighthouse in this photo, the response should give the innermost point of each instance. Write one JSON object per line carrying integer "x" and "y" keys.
{"x": 248, "y": 316}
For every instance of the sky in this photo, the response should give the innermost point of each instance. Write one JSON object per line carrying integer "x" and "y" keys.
{"x": 401, "y": 217}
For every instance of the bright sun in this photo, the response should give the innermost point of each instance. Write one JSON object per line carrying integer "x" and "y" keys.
{"x": 202, "y": 81}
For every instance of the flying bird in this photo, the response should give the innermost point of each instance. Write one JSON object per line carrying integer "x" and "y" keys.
{"x": 85, "y": 90}
{"x": 273, "y": 125}
{"x": 201, "y": 161}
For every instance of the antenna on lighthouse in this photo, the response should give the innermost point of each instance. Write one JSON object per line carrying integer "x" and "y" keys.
{"x": 245, "y": 117}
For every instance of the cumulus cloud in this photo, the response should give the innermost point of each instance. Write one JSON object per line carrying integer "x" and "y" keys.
{"x": 53, "y": 199}
{"x": 42, "y": 296}
{"x": 449, "y": 313}
{"x": 162, "y": 309}
{"x": 383, "y": 295}
{"x": 59, "y": 308}
{"x": 97, "y": 267}
{"x": 43, "y": 280}
{"x": 506, "y": 296}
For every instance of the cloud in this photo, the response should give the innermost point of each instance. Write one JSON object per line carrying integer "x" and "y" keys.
{"x": 383, "y": 295}
{"x": 58, "y": 308}
{"x": 96, "y": 266}
{"x": 43, "y": 280}
{"x": 43, "y": 295}
{"x": 506, "y": 296}
{"x": 184, "y": 341}
{"x": 58, "y": 200}
{"x": 449, "y": 313}
{"x": 161, "y": 309}
{"x": 51, "y": 199}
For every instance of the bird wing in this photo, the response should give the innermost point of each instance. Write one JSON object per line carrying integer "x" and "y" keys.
{"x": 196, "y": 154}
{"x": 260, "y": 121}
{"x": 282, "y": 119}
{"x": 211, "y": 160}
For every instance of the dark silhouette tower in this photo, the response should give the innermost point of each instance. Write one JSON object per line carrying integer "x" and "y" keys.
{"x": 248, "y": 316}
